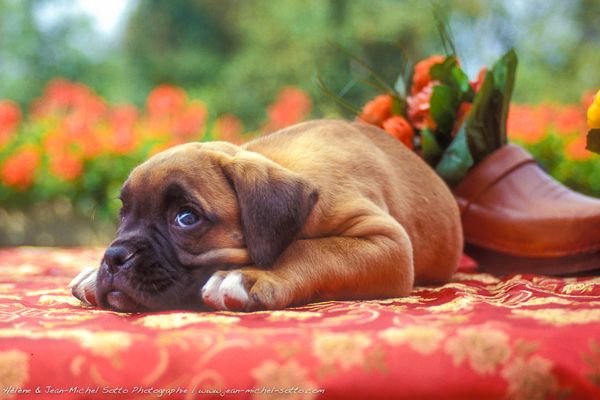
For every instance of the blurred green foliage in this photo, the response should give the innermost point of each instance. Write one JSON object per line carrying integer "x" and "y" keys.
{"x": 236, "y": 55}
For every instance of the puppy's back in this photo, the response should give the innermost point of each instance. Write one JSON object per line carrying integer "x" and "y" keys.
{"x": 348, "y": 160}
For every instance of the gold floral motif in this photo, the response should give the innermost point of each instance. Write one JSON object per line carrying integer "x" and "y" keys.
{"x": 461, "y": 287}
{"x": 76, "y": 366}
{"x": 457, "y": 304}
{"x": 7, "y": 287}
{"x": 14, "y": 370}
{"x": 559, "y": 316}
{"x": 105, "y": 343}
{"x": 288, "y": 349}
{"x": 540, "y": 301}
{"x": 178, "y": 320}
{"x": 578, "y": 288}
{"x": 530, "y": 379}
{"x": 42, "y": 292}
{"x": 422, "y": 339}
{"x": 10, "y": 297}
{"x": 482, "y": 278}
{"x": 285, "y": 315}
{"x": 345, "y": 349}
{"x": 53, "y": 300}
{"x": 397, "y": 301}
{"x": 483, "y": 347}
{"x": 271, "y": 374}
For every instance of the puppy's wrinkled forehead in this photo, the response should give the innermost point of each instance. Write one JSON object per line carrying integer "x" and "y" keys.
{"x": 191, "y": 170}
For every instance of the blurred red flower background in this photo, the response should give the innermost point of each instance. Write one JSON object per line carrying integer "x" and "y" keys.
{"x": 73, "y": 142}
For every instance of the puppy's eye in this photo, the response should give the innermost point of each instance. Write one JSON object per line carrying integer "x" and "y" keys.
{"x": 186, "y": 218}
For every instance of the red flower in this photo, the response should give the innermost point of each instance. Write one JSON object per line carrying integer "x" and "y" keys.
{"x": 376, "y": 111}
{"x": 528, "y": 123}
{"x": 66, "y": 165}
{"x": 166, "y": 100}
{"x": 190, "y": 124}
{"x": 10, "y": 116}
{"x": 228, "y": 127}
{"x": 419, "y": 108}
{"x": 569, "y": 119}
{"x": 18, "y": 170}
{"x": 63, "y": 96}
{"x": 399, "y": 128}
{"x": 123, "y": 120}
{"x": 292, "y": 106}
{"x": 576, "y": 149}
{"x": 421, "y": 77}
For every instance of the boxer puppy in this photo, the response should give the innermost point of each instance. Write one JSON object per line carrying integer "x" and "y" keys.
{"x": 324, "y": 210}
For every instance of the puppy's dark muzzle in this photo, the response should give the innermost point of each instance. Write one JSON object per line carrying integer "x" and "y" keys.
{"x": 116, "y": 257}
{"x": 113, "y": 277}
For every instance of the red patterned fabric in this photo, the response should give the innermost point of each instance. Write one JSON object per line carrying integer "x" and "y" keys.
{"x": 521, "y": 337}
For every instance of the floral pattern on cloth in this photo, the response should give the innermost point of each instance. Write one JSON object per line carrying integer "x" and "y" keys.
{"x": 479, "y": 336}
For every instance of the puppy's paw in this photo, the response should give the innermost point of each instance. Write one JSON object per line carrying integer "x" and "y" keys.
{"x": 244, "y": 290}
{"x": 83, "y": 286}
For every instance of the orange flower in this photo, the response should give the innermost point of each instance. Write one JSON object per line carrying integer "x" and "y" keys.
{"x": 10, "y": 116}
{"x": 568, "y": 119}
{"x": 166, "y": 100}
{"x": 228, "y": 127}
{"x": 421, "y": 77}
{"x": 66, "y": 165}
{"x": 376, "y": 111}
{"x": 291, "y": 106}
{"x": 63, "y": 96}
{"x": 576, "y": 151}
{"x": 528, "y": 123}
{"x": 419, "y": 108}
{"x": 190, "y": 124}
{"x": 399, "y": 128}
{"x": 124, "y": 138}
{"x": 19, "y": 169}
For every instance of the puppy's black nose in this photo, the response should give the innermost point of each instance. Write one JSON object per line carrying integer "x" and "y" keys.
{"x": 115, "y": 257}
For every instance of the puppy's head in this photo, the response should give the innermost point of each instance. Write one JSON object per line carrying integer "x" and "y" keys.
{"x": 192, "y": 210}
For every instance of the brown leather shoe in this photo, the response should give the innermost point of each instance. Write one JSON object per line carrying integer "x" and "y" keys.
{"x": 516, "y": 218}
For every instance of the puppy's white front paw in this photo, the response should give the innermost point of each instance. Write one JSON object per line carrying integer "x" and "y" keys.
{"x": 83, "y": 286}
{"x": 226, "y": 291}
{"x": 246, "y": 290}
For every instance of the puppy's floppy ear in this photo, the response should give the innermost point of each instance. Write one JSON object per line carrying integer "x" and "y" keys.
{"x": 274, "y": 204}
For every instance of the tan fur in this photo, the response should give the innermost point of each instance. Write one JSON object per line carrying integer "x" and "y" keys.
{"x": 374, "y": 217}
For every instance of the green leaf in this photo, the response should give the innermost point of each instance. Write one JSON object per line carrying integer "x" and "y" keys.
{"x": 441, "y": 23}
{"x": 432, "y": 151}
{"x": 593, "y": 141}
{"x": 442, "y": 72}
{"x": 443, "y": 106}
{"x": 462, "y": 82}
{"x": 482, "y": 125}
{"x": 486, "y": 124}
{"x": 504, "y": 80}
{"x": 456, "y": 160}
